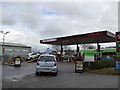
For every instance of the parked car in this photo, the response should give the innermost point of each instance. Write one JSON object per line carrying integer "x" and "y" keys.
{"x": 47, "y": 63}
{"x": 32, "y": 55}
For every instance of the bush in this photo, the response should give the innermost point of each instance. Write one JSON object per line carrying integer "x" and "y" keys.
{"x": 102, "y": 64}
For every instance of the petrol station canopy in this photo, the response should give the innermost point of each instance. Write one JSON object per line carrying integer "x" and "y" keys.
{"x": 88, "y": 38}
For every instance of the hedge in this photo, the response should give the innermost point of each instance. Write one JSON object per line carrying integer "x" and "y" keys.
{"x": 100, "y": 64}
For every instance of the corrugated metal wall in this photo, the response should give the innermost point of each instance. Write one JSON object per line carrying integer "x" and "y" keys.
{"x": 0, "y": 50}
{"x": 15, "y": 51}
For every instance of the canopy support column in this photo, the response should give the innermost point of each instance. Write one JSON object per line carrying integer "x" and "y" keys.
{"x": 98, "y": 50}
{"x": 61, "y": 52}
{"x": 77, "y": 50}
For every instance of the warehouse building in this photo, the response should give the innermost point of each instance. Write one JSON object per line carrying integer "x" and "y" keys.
{"x": 14, "y": 49}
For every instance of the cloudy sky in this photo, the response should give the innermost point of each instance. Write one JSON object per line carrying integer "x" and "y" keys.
{"x": 28, "y": 22}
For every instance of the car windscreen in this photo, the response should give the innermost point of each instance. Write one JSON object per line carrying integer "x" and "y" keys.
{"x": 46, "y": 58}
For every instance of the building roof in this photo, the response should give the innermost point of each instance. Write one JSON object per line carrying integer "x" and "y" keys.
{"x": 94, "y": 37}
{"x": 14, "y": 45}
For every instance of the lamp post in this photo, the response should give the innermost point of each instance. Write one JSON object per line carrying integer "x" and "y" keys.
{"x": 3, "y": 45}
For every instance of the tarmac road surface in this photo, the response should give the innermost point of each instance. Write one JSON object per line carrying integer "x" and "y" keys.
{"x": 24, "y": 77}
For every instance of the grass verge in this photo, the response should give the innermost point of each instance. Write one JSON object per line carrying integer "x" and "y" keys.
{"x": 109, "y": 71}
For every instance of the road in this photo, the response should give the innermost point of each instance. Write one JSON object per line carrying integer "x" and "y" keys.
{"x": 24, "y": 77}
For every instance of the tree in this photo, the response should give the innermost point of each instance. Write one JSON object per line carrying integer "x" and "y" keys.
{"x": 58, "y": 48}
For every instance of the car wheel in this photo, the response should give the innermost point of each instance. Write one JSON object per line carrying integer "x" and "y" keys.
{"x": 76, "y": 71}
{"x": 55, "y": 74}
{"x": 37, "y": 73}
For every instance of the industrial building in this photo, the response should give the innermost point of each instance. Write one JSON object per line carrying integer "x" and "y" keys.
{"x": 14, "y": 49}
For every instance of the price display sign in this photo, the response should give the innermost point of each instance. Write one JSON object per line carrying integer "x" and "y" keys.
{"x": 118, "y": 45}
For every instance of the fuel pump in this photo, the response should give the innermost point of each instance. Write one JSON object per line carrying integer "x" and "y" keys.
{"x": 79, "y": 64}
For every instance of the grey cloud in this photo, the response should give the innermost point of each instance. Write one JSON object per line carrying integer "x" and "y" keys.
{"x": 31, "y": 17}
{"x": 25, "y": 14}
{"x": 1, "y": 13}
{"x": 90, "y": 16}
{"x": 74, "y": 9}
{"x": 7, "y": 19}
{"x": 71, "y": 18}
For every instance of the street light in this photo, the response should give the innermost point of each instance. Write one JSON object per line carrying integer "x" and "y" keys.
{"x": 3, "y": 44}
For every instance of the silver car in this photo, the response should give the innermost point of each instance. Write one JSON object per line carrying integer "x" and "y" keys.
{"x": 47, "y": 63}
